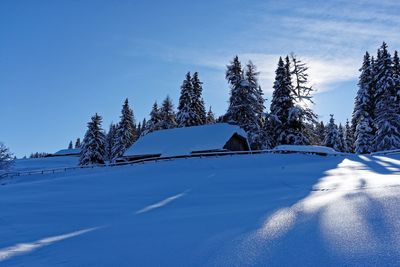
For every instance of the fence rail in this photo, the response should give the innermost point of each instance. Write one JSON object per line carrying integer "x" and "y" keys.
{"x": 154, "y": 159}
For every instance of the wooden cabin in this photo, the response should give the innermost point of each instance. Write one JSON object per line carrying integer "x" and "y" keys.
{"x": 186, "y": 141}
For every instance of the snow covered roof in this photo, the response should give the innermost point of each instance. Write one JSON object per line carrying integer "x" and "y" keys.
{"x": 184, "y": 141}
{"x": 307, "y": 149}
{"x": 64, "y": 152}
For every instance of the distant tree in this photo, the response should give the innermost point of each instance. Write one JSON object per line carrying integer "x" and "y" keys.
{"x": 198, "y": 102}
{"x": 186, "y": 115}
{"x": 111, "y": 138}
{"x": 126, "y": 133}
{"x": 6, "y": 157}
{"x": 331, "y": 137}
{"x": 154, "y": 123}
{"x": 93, "y": 148}
{"x": 210, "y": 119}
{"x": 38, "y": 155}
{"x": 167, "y": 115}
{"x": 340, "y": 142}
{"x": 320, "y": 132}
{"x": 78, "y": 143}
{"x": 234, "y": 76}
{"x": 144, "y": 126}
{"x": 349, "y": 138}
{"x": 70, "y": 145}
{"x": 139, "y": 129}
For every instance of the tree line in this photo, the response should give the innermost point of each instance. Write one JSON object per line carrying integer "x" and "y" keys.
{"x": 374, "y": 126}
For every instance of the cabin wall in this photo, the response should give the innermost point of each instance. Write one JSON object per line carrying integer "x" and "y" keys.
{"x": 237, "y": 143}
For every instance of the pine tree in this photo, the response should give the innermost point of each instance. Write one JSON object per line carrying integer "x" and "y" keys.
{"x": 167, "y": 115}
{"x": 364, "y": 137}
{"x": 234, "y": 76}
{"x": 126, "y": 133}
{"x": 210, "y": 119}
{"x": 144, "y": 126}
{"x": 320, "y": 133}
{"x": 93, "y": 147}
{"x": 255, "y": 117}
{"x": 154, "y": 124}
{"x": 139, "y": 129}
{"x": 246, "y": 105}
{"x": 70, "y": 145}
{"x": 186, "y": 115}
{"x": 349, "y": 138}
{"x": 6, "y": 157}
{"x": 387, "y": 120}
{"x": 331, "y": 136}
{"x": 340, "y": 142}
{"x": 197, "y": 100}
{"x": 364, "y": 105}
{"x": 281, "y": 105}
{"x": 396, "y": 77}
{"x": 78, "y": 143}
{"x": 110, "y": 142}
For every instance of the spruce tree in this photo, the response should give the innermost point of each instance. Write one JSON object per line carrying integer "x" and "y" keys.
{"x": 246, "y": 104}
{"x": 234, "y": 76}
{"x": 93, "y": 147}
{"x": 387, "y": 120}
{"x": 281, "y": 105}
{"x": 349, "y": 138}
{"x": 154, "y": 124}
{"x": 139, "y": 129}
{"x": 78, "y": 143}
{"x": 197, "y": 100}
{"x": 254, "y": 124}
{"x": 210, "y": 119}
{"x": 144, "y": 126}
{"x": 364, "y": 106}
{"x": 110, "y": 142}
{"x": 6, "y": 157}
{"x": 126, "y": 132}
{"x": 396, "y": 77}
{"x": 186, "y": 115}
{"x": 364, "y": 137}
{"x": 340, "y": 143}
{"x": 320, "y": 133}
{"x": 167, "y": 115}
{"x": 331, "y": 136}
{"x": 70, "y": 145}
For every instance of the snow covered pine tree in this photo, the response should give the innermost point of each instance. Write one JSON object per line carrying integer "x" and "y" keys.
{"x": 331, "y": 137}
{"x": 126, "y": 132}
{"x": 6, "y": 157}
{"x": 167, "y": 115}
{"x": 93, "y": 147}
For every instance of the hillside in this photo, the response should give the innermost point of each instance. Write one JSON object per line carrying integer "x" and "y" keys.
{"x": 247, "y": 210}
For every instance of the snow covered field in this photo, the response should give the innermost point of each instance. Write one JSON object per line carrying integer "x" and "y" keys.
{"x": 246, "y": 210}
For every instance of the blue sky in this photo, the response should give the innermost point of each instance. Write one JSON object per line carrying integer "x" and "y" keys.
{"x": 62, "y": 61}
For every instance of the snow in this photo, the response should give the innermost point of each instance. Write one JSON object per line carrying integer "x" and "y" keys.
{"x": 307, "y": 149}
{"x": 243, "y": 210}
{"x": 65, "y": 152}
{"x": 183, "y": 141}
{"x": 44, "y": 163}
